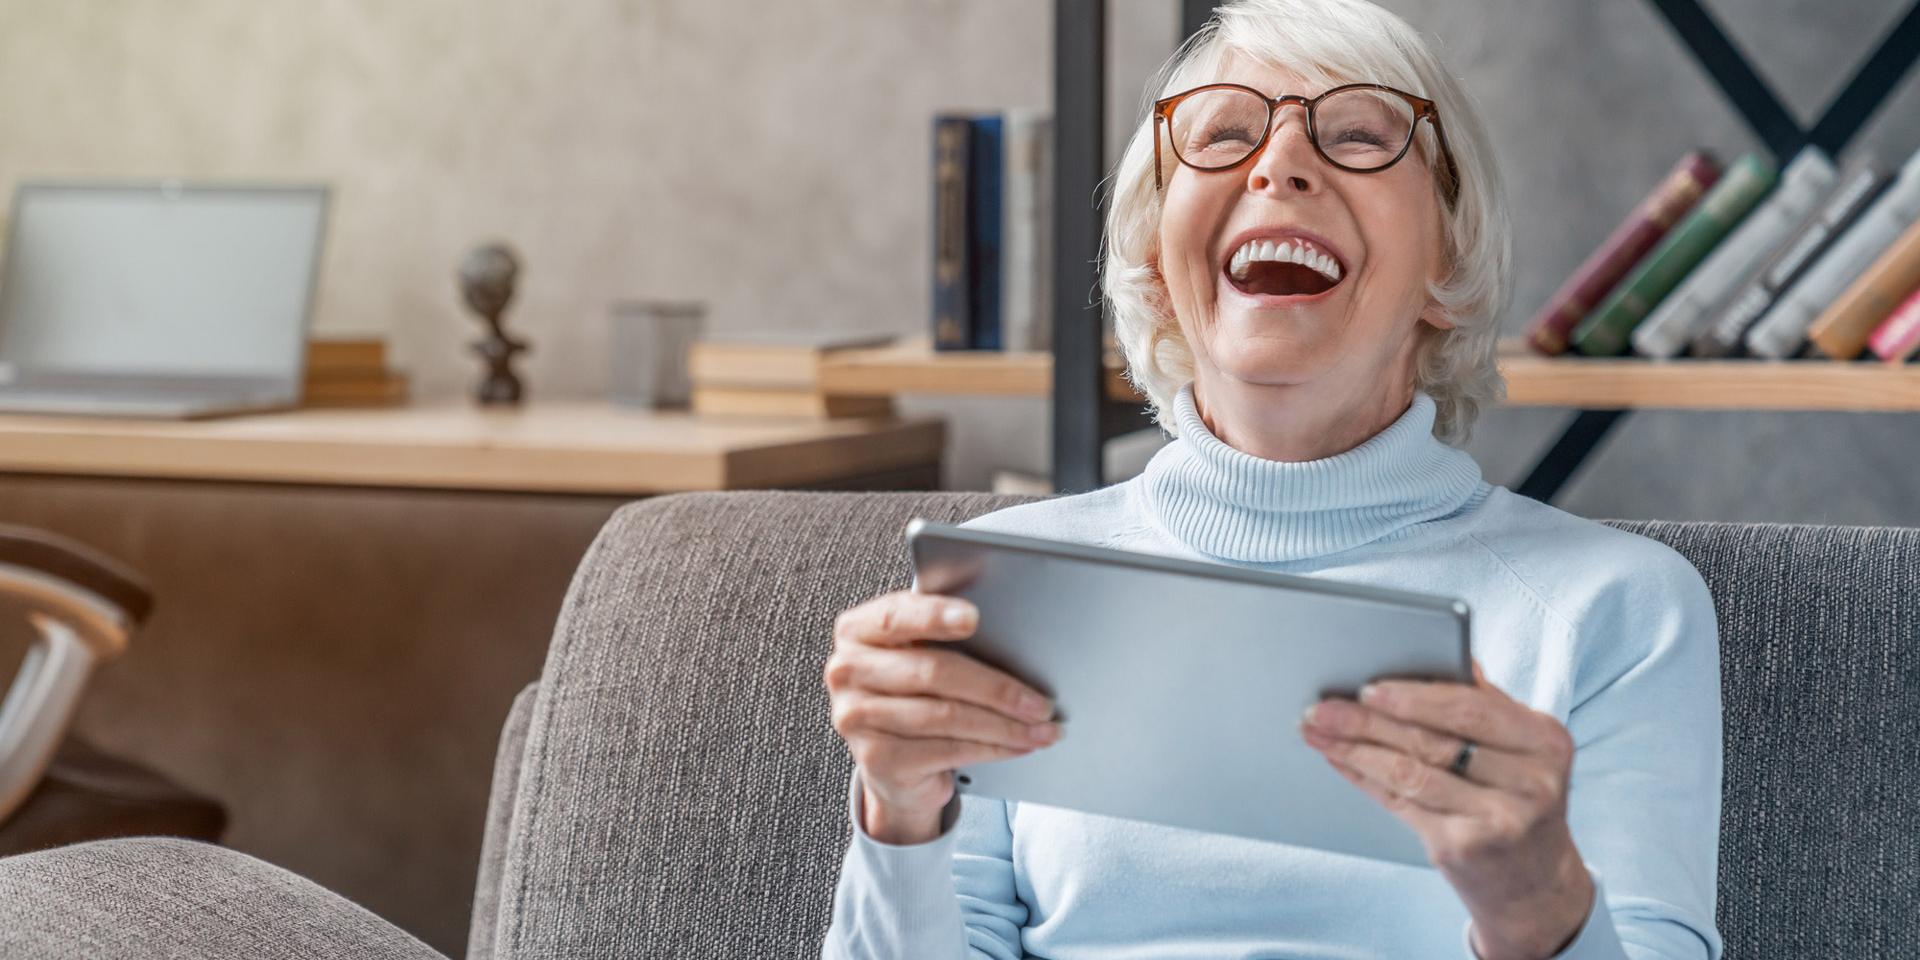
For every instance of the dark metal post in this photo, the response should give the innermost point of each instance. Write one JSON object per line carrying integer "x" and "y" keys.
{"x": 1080, "y": 135}
{"x": 1193, "y": 13}
{"x": 1557, "y": 466}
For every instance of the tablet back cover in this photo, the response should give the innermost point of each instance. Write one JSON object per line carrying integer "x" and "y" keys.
{"x": 1180, "y": 684}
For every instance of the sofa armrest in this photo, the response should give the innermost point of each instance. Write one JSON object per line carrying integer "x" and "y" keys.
{"x": 156, "y": 897}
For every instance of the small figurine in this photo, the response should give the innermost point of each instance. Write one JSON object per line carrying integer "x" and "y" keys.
{"x": 486, "y": 283}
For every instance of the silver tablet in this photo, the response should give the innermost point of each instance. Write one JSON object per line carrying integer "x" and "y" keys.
{"x": 1180, "y": 684}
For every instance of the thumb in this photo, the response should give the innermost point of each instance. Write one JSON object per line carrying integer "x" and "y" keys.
{"x": 1480, "y": 680}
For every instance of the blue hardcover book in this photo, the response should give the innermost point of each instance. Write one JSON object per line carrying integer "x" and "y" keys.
{"x": 987, "y": 170}
{"x": 952, "y": 237}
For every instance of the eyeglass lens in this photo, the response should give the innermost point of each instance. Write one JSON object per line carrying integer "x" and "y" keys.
{"x": 1359, "y": 128}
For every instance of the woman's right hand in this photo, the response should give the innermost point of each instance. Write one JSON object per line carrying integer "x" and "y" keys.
{"x": 911, "y": 711}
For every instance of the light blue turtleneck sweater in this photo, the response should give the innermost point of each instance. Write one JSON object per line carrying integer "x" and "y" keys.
{"x": 1611, "y": 633}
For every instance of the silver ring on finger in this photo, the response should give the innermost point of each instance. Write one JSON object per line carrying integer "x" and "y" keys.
{"x": 1460, "y": 760}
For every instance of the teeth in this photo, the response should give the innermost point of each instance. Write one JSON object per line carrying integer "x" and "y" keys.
{"x": 1286, "y": 251}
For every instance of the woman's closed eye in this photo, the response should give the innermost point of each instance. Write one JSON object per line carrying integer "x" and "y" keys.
{"x": 1359, "y": 135}
{"x": 1230, "y": 134}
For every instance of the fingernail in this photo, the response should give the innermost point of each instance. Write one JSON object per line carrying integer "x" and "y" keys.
{"x": 956, "y": 615}
{"x": 1369, "y": 694}
{"x": 1035, "y": 706}
{"x": 1307, "y": 716}
{"x": 1043, "y": 733}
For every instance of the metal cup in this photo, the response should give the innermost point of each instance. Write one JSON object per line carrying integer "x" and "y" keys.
{"x": 650, "y": 341}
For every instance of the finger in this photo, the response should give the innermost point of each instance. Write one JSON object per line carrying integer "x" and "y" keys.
{"x": 904, "y": 617}
{"x": 1412, "y": 814}
{"x": 932, "y": 717}
{"x": 1346, "y": 720}
{"x": 910, "y": 758}
{"x": 1405, "y": 776}
{"x": 1487, "y": 717}
{"x": 949, "y": 674}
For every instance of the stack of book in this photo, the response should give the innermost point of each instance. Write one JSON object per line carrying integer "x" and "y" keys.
{"x": 992, "y": 230}
{"x": 1748, "y": 260}
{"x": 775, "y": 374}
{"x": 351, "y": 373}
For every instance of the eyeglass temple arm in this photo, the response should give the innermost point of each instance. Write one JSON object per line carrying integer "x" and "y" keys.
{"x": 1446, "y": 155}
{"x": 1157, "y": 186}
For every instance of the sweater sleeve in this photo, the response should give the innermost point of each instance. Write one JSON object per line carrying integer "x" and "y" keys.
{"x": 1597, "y": 939}
{"x": 1644, "y": 800}
{"x": 949, "y": 898}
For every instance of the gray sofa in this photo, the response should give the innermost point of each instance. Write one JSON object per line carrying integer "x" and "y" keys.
{"x": 671, "y": 787}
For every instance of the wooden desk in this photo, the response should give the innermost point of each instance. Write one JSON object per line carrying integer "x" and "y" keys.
{"x": 583, "y": 447}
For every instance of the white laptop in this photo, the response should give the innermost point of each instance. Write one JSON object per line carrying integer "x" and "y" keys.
{"x": 158, "y": 299}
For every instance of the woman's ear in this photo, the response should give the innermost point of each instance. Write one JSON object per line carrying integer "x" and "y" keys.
{"x": 1435, "y": 316}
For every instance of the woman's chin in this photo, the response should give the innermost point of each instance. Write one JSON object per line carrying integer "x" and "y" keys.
{"x": 1289, "y": 339}
{"x": 1268, "y": 360}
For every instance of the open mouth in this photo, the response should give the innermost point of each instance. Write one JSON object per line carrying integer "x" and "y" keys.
{"x": 1275, "y": 279}
{"x": 1284, "y": 267}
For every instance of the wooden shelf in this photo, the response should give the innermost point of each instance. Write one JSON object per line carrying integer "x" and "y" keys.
{"x": 1622, "y": 383}
{"x": 1532, "y": 380}
{"x": 913, "y": 366}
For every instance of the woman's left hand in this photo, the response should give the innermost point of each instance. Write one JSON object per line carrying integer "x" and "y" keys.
{"x": 1499, "y": 833}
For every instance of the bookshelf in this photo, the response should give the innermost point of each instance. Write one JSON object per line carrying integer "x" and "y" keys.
{"x": 1078, "y": 377}
{"x": 1603, "y": 383}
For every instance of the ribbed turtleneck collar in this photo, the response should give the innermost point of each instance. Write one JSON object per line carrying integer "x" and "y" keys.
{"x": 1235, "y": 506}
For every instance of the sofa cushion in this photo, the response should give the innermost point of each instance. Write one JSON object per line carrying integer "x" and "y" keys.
{"x": 493, "y": 843}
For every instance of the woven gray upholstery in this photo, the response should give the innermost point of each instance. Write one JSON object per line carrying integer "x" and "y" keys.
{"x": 151, "y": 898}
{"x": 1820, "y": 678}
{"x": 681, "y": 794}
{"x": 493, "y": 845}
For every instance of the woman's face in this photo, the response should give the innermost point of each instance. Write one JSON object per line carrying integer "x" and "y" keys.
{"x": 1383, "y": 231}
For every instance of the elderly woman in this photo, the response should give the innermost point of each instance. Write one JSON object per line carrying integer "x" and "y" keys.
{"x": 1307, "y": 256}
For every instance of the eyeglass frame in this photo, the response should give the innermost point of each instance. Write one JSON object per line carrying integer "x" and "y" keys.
{"x": 1423, "y": 108}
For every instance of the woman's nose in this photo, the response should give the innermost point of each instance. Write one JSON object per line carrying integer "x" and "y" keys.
{"x": 1288, "y": 157}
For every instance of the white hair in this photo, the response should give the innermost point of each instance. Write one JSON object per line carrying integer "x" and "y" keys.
{"x": 1326, "y": 42}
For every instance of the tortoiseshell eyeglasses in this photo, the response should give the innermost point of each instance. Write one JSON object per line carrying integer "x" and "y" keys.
{"x": 1362, "y": 127}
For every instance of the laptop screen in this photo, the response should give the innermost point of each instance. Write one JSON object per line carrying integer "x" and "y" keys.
{"x": 161, "y": 279}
